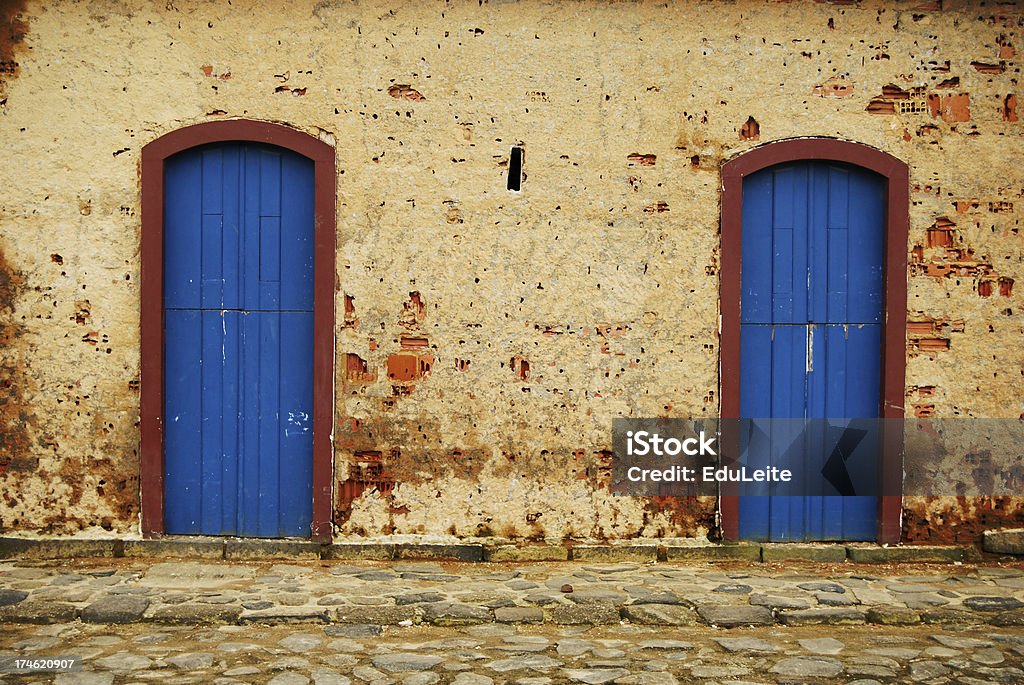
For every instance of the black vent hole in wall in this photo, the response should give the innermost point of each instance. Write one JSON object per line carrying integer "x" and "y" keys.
{"x": 515, "y": 169}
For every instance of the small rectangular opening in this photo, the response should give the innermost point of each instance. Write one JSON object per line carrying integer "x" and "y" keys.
{"x": 515, "y": 169}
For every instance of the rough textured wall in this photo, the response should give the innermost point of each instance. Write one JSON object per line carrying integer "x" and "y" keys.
{"x": 486, "y": 338}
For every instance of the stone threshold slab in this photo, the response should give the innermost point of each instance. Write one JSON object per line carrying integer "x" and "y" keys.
{"x": 302, "y": 550}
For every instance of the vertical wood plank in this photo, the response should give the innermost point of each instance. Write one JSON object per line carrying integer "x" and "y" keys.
{"x": 231, "y": 226}
{"x": 182, "y": 232}
{"x": 756, "y": 302}
{"x": 266, "y": 358}
{"x": 295, "y": 352}
{"x": 213, "y": 421}
{"x": 297, "y": 240}
{"x": 183, "y": 409}
{"x": 755, "y": 402}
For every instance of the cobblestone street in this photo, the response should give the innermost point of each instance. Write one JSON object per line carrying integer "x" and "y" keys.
{"x": 531, "y": 655}
{"x": 473, "y": 624}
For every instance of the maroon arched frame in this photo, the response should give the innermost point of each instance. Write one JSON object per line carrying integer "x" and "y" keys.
{"x": 154, "y": 156}
{"x": 897, "y": 179}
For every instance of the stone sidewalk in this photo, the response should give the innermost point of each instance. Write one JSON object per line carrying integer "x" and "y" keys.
{"x": 423, "y": 623}
{"x": 724, "y": 595}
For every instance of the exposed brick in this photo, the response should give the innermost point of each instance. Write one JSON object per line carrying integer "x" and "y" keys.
{"x": 408, "y": 367}
{"x": 520, "y": 367}
{"x": 750, "y": 130}
{"x": 356, "y": 370}
{"x": 1008, "y": 109}
{"x": 408, "y": 343}
{"x": 988, "y": 68}
{"x": 878, "y": 106}
{"x": 350, "y": 320}
{"x": 641, "y": 159}
{"x": 920, "y": 328}
{"x": 1006, "y": 49}
{"x": 413, "y": 311}
{"x": 837, "y": 87}
{"x": 951, "y": 108}
{"x": 405, "y": 92}
{"x": 940, "y": 234}
{"x": 932, "y": 344}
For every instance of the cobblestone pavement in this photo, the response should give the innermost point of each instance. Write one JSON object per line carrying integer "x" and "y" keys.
{"x": 476, "y": 624}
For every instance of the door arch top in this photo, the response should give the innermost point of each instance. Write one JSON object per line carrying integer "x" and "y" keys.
{"x": 831, "y": 149}
{"x": 151, "y": 315}
{"x": 248, "y": 130}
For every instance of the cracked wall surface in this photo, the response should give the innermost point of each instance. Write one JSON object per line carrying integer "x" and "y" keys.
{"x": 487, "y": 338}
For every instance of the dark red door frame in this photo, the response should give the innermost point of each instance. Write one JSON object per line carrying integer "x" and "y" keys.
{"x": 151, "y": 476}
{"x": 897, "y": 178}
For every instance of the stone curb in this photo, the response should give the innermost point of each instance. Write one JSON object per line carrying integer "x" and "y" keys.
{"x": 595, "y": 614}
{"x": 256, "y": 550}
{"x": 448, "y": 614}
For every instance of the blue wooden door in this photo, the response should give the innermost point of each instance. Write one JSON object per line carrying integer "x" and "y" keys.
{"x": 810, "y": 332}
{"x": 238, "y": 350}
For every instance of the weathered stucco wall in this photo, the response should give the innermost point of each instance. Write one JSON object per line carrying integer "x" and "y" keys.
{"x": 487, "y": 338}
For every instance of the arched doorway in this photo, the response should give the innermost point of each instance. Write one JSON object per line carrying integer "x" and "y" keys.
{"x": 794, "y": 214}
{"x": 237, "y": 331}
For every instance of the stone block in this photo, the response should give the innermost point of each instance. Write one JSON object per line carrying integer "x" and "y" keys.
{"x": 518, "y": 615}
{"x": 196, "y": 614}
{"x": 385, "y": 615}
{"x": 38, "y": 611}
{"x": 443, "y": 551}
{"x": 1009, "y": 541}
{"x": 826, "y": 554}
{"x": 359, "y": 551}
{"x": 911, "y": 555}
{"x": 526, "y": 553}
{"x": 178, "y": 547}
{"x": 734, "y": 616}
{"x": 822, "y": 616}
{"x": 115, "y": 609}
{"x": 582, "y": 614}
{"x": 62, "y": 548}
{"x": 255, "y": 550}
{"x": 659, "y": 614}
{"x": 714, "y": 553}
{"x": 614, "y": 553}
